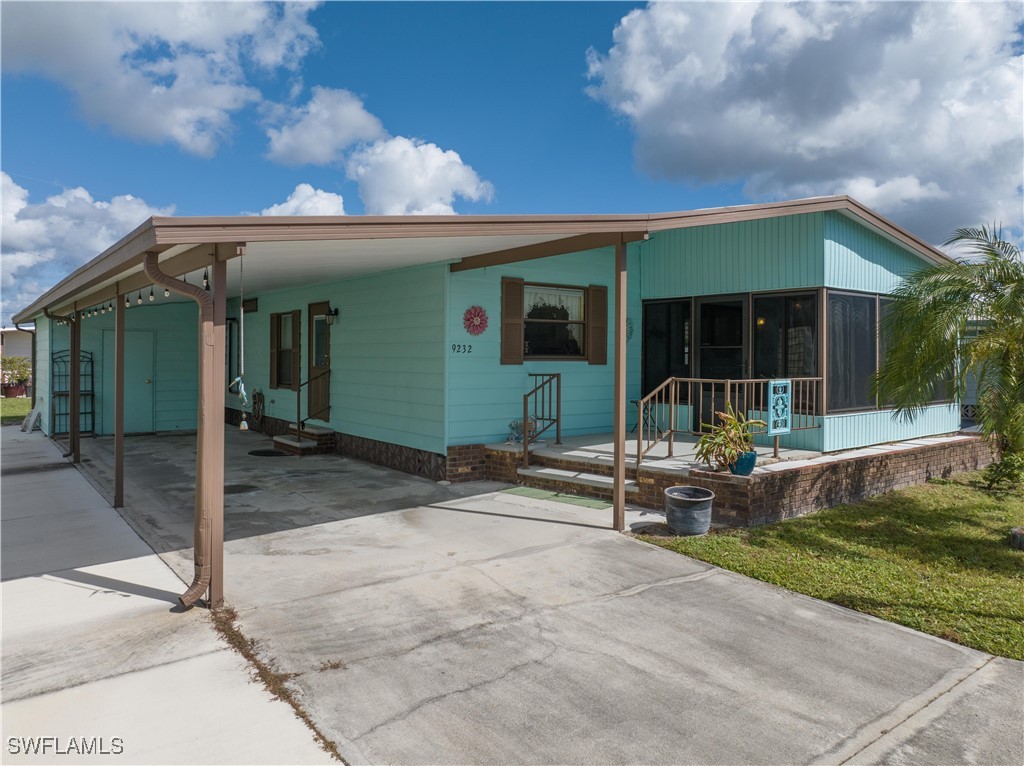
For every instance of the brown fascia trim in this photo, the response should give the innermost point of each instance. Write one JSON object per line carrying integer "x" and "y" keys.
{"x": 161, "y": 233}
{"x": 575, "y": 244}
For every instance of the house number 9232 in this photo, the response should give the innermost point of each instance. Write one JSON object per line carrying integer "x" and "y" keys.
{"x": 462, "y": 348}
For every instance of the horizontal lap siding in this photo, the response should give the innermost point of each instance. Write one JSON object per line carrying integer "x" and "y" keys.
{"x": 44, "y": 338}
{"x": 387, "y": 363}
{"x": 175, "y": 329}
{"x": 770, "y": 254}
{"x": 484, "y": 396}
{"x": 856, "y": 258}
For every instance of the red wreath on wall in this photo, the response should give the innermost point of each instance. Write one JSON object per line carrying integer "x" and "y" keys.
{"x": 474, "y": 320}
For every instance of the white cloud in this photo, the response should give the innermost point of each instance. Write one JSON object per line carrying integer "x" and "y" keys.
{"x": 306, "y": 200}
{"x": 915, "y": 108}
{"x": 320, "y": 132}
{"x": 402, "y": 176}
{"x": 157, "y": 71}
{"x": 42, "y": 243}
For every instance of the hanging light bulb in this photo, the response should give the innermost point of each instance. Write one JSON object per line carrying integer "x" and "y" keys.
{"x": 206, "y": 278}
{"x": 110, "y": 306}
{"x": 127, "y": 302}
{"x": 139, "y": 299}
{"x": 167, "y": 293}
{"x": 151, "y": 296}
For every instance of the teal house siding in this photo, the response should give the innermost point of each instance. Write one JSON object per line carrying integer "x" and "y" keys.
{"x": 769, "y": 254}
{"x": 169, "y": 335}
{"x": 387, "y": 355}
{"x": 843, "y": 432}
{"x": 484, "y": 396}
{"x": 44, "y": 338}
{"x": 856, "y": 258}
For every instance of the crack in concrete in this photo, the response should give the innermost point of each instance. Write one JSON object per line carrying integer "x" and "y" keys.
{"x": 884, "y": 726}
{"x": 471, "y": 687}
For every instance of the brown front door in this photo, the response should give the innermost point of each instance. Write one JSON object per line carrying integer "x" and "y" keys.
{"x": 318, "y": 402}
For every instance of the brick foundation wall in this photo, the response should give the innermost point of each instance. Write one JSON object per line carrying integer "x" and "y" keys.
{"x": 769, "y": 496}
{"x": 465, "y": 462}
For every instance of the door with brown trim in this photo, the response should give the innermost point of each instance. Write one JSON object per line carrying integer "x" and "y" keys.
{"x": 318, "y": 398}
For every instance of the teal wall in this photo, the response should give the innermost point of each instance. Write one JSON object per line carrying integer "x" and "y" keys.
{"x": 770, "y": 254}
{"x": 44, "y": 337}
{"x": 864, "y": 428}
{"x": 856, "y": 258}
{"x": 484, "y": 396}
{"x": 387, "y": 355}
{"x": 173, "y": 333}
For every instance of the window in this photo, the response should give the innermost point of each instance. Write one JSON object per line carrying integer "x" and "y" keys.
{"x": 666, "y": 342}
{"x": 553, "y": 322}
{"x": 852, "y": 351}
{"x": 284, "y": 349}
{"x": 785, "y": 336}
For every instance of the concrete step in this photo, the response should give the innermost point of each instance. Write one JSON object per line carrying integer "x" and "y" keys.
{"x": 312, "y": 430}
{"x": 298, "y": 446}
{"x": 573, "y": 480}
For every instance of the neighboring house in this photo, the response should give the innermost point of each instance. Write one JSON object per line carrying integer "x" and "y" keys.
{"x": 15, "y": 342}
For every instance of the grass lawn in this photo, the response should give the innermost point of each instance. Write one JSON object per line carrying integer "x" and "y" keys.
{"x": 934, "y": 557}
{"x": 14, "y": 410}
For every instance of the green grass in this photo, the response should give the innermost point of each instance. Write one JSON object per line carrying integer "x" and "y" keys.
{"x": 934, "y": 557}
{"x": 13, "y": 410}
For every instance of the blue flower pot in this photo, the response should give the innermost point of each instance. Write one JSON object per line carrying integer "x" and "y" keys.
{"x": 744, "y": 464}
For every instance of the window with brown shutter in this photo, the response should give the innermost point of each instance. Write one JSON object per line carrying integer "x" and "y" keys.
{"x": 285, "y": 342}
{"x": 543, "y": 321}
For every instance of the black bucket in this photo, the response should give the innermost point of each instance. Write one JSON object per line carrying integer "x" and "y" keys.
{"x": 688, "y": 510}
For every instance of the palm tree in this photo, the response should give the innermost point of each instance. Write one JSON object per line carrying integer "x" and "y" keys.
{"x": 970, "y": 311}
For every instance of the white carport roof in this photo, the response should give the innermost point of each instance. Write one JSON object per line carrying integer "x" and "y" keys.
{"x": 284, "y": 252}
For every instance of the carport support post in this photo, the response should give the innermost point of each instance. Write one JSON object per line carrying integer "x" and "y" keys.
{"x": 619, "y": 467}
{"x": 75, "y": 388}
{"x": 119, "y": 401}
{"x": 214, "y": 383}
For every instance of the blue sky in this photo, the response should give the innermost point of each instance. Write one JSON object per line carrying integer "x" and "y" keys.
{"x": 111, "y": 113}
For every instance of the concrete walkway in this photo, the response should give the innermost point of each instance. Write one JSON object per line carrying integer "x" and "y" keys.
{"x": 96, "y": 655}
{"x": 458, "y": 625}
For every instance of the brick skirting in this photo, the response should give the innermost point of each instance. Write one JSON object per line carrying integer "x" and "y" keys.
{"x": 780, "y": 493}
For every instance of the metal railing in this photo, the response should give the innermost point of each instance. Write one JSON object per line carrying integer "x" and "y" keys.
{"x": 319, "y": 387}
{"x": 542, "y": 409}
{"x": 688, "y": 406}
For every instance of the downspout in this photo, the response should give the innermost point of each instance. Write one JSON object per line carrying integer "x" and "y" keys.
{"x": 67, "y": 320}
{"x": 31, "y": 332}
{"x": 202, "y": 538}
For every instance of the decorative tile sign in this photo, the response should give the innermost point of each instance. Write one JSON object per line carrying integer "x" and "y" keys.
{"x": 779, "y": 406}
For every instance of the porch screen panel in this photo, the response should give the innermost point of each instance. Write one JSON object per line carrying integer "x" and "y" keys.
{"x": 852, "y": 344}
{"x": 785, "y": 336}
{"x": 666, "y": 343}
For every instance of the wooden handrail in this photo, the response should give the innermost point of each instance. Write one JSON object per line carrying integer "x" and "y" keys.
{"x": 748, "y": 395}
{"x": 546, "y": 410}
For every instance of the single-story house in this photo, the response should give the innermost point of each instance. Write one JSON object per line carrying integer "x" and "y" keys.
{"x": 413, "y": 340}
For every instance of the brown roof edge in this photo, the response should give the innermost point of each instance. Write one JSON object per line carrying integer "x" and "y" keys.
{"x": 161, "y": 233}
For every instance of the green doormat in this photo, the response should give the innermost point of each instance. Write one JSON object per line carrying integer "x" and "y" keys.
{"x": 543, "y": 494}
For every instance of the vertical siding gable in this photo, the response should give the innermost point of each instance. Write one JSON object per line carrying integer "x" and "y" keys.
{"x": 857, "y": 258}
{"x": 768, "y": 254}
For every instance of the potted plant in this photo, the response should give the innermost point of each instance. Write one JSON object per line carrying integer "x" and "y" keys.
{"x": 731, "y": 444}
{"x": 15, "y": 371}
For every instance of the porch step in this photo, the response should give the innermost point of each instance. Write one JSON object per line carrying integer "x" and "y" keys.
{"x": 294, "y": 446}
{"x": 573, "y": 482}
{"x": 320, "y": 436}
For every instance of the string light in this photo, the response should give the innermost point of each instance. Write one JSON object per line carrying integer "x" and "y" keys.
{"x": 127, "y": 302}
{"x": 206, "y": 278}
{"x": 167, "y": 293}
{"x": 110, "y": 306}
{"x": 139, "y": 299}
{"x": 151, "y": 296}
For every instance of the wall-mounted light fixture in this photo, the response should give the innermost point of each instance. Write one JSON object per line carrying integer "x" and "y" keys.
{"x": 332, "y": 315}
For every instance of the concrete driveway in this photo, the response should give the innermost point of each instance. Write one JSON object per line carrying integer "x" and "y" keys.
{"x": 430, "y": 624}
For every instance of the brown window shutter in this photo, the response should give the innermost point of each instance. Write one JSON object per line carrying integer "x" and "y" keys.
{"x": 597, "y": 324}
{"x": 512, "y": 313}
{"x": 296, "y": 349}
{"x": 275, "y": 333}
